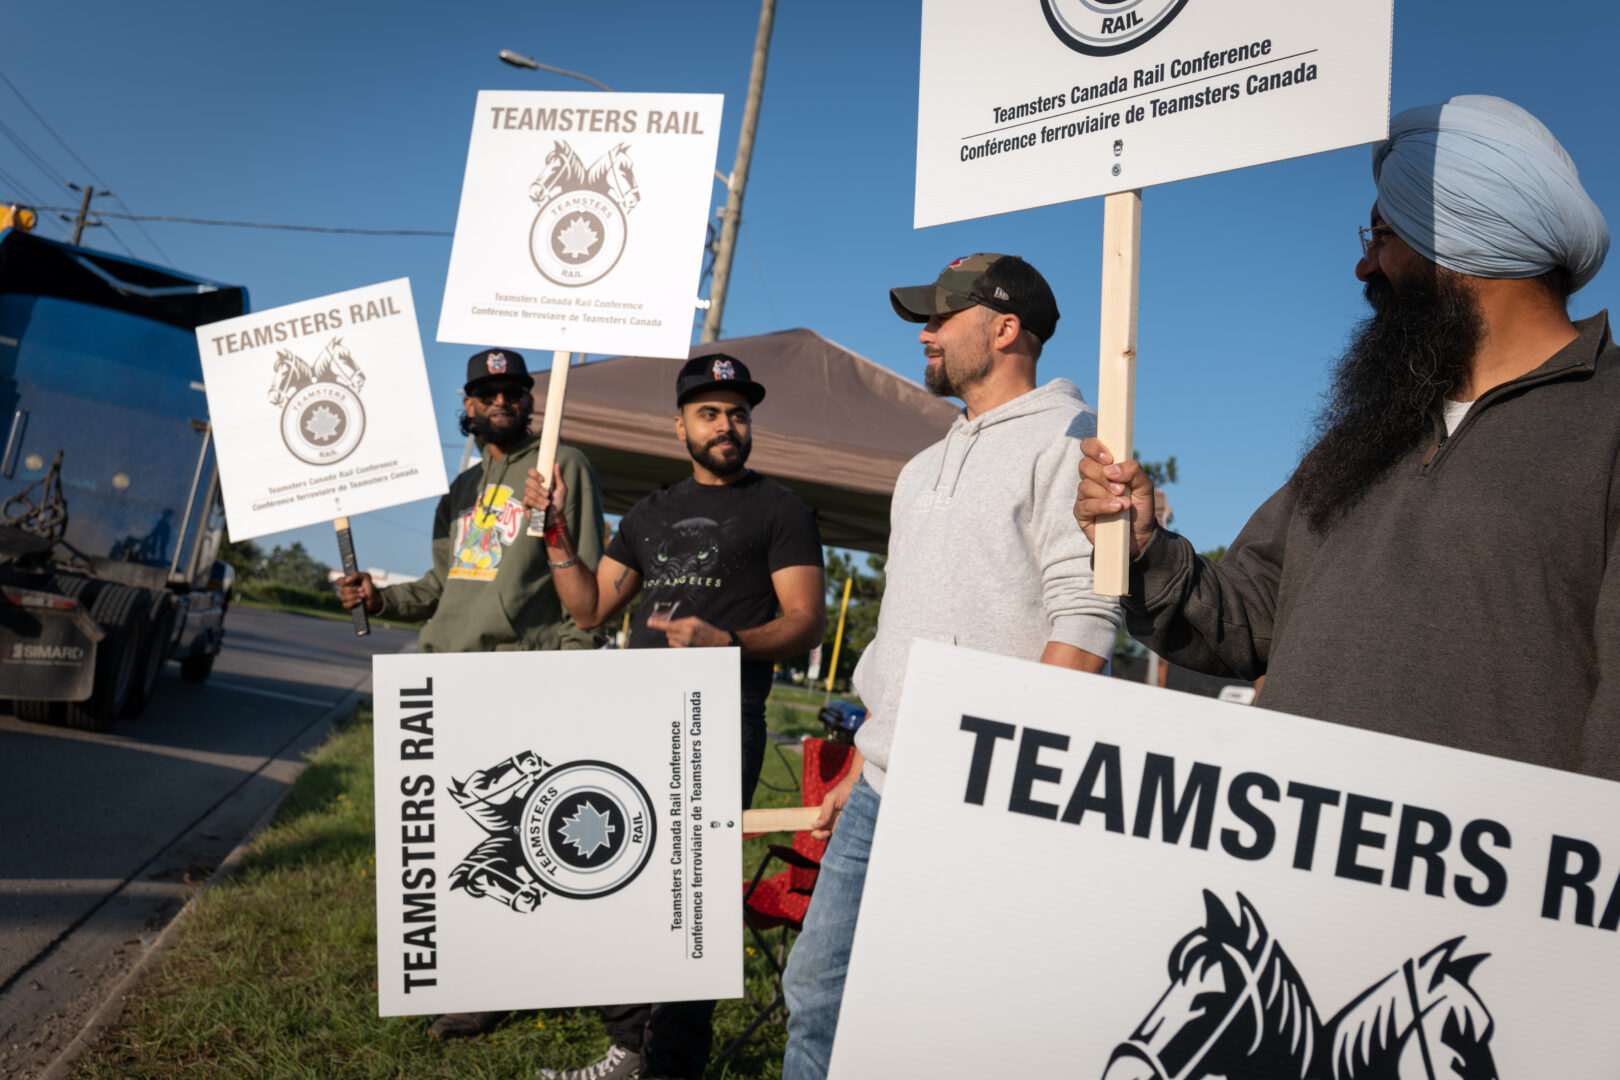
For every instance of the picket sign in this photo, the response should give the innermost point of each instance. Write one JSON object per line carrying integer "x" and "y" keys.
{"x": 1093, "y": 99}
{"x": 1146, "y": 884}
{"x": 529, "y": 859}
{"x": 582, "y": 221}
{"x": 338, "y": 432}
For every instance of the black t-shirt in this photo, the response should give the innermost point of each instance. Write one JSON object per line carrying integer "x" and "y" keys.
{"x": 710, "y": 550}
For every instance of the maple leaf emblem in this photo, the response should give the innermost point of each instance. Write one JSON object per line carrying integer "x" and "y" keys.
{"x": 588, "y": 830}
{"x": 323, "y": 424}
{"x": 577, "y": 238}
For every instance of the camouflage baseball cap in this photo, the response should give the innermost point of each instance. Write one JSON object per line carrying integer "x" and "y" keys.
{"x": 1004, "y": 283}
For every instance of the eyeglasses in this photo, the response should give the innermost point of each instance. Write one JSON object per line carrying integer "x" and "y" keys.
{"x": 511, "y": 391}
{"x": 1372, "y": 236}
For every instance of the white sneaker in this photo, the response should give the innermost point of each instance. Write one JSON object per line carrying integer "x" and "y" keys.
{"x": 618, "y": 1064}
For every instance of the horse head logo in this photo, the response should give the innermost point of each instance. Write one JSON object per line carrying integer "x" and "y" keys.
{"x": 563, "y": 170}
{"x": 1235, "y": 1008}
{"x": 291, "y": 375}
{"x": 336, "y": 364}
{"x": 1421, "y": 1020}
{"x": 620, "y": 177}
{"x": 579, "y": 230}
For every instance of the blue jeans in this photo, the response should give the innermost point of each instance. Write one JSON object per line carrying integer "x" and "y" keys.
{"x": 814, "y": 981}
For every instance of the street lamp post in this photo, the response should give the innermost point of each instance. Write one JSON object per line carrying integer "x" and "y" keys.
{"x": 519, "y": 60}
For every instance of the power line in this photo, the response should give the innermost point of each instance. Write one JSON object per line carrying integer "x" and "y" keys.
{"x": 30, "y": 200}
{"x": 27, "y": 193}
{"x": 119, "y": 240}
{"x": 39, "y": 163}
{"x": 86, "y": 166}
{"x": 26, "y": 104}
{"x": 761, "y": 271}
{"x": 259, "y": 224}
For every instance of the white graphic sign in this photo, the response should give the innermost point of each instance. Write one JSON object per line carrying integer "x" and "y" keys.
{"x": 587, "y": 855}
{"x": 1075, "y": 98}
{"x": 319, "y": 408}
{"x": 582, "y": 222}
{"x": 1144, "y": 884}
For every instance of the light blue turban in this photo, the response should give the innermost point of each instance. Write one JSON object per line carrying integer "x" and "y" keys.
{"x": 1481, "y": 187}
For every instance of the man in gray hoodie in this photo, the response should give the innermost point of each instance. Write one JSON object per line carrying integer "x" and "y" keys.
{"x": 983, "y": 553}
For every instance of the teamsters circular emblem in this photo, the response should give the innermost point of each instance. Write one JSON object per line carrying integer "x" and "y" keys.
{"x": 322, "y": 420}
{"x": 1108, "y": 27}
{"x": 586, "y": 829}
{"x": 322, "y": 424}
{"x": 579, "y": 231}
{"x": 577, "y": 238}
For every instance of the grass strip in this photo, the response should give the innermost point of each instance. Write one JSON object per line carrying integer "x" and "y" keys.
{"x": 275, "y": 976}
{"x": 315, "y": 612}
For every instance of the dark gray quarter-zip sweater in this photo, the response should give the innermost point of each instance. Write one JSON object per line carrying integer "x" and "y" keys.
{"x": 1471, "y": 598}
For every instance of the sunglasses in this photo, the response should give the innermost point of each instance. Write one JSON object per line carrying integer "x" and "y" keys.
{"x": 512, "y": 392}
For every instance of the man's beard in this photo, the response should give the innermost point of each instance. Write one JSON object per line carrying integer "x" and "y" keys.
{"x": 1403, "y": 360}
{"x": 502, "y": 439}
{"x": 939, "y": 381}
{"x": 705, "y": 455}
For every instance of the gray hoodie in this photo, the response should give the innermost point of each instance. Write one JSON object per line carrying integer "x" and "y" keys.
{"x": 984, "y": 551}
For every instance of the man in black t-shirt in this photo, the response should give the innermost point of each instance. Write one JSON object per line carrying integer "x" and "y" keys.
{"x": 716, "y": 554}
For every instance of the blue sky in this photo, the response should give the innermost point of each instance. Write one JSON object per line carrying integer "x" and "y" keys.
{"x": 358, "y": 115}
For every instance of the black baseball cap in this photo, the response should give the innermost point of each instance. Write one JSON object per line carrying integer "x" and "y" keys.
{"x": 1004, "y": 283}
{"x": 716, "y": 371}
{"x": 492, "y": 364}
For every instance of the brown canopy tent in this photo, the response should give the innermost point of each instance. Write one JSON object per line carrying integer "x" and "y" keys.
{"x": 834, "y": 427}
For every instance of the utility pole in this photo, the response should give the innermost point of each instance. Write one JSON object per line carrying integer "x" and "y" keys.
{"x": 731, "y": 216}
{"x": 83, "y": 219}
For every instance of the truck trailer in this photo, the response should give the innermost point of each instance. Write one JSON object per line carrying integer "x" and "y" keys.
{"x": 112, "y": 521}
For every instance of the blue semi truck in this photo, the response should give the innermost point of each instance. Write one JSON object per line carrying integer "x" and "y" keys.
{"x": 111, "y": 519}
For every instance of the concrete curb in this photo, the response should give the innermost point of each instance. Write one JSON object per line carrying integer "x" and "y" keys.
{"x": 112, "y": 1008}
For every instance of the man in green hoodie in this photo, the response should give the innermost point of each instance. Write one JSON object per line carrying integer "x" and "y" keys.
{"x": 490, "y": 586}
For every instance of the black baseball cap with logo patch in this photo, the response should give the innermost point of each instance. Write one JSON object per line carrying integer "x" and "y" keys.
{"x": 496, "y": 364}
{"x": 716, "y": 371}
{"x": 1004, "y": 283}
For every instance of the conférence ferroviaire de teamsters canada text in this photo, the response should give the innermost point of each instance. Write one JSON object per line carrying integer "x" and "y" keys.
{"x": 1144, "y": 100}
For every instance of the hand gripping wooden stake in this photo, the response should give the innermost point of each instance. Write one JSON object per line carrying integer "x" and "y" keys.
{"x": 550, "y": 426}
{"x": 351, "y": 565}
{"x": 1116, "y": 380}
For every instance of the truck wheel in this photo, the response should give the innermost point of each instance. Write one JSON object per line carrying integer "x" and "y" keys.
{"x": 121, "y": 613}
{"x": 154, "y": 651}
{"x": 73, "y": 587}
{"x": 197, "y": 668}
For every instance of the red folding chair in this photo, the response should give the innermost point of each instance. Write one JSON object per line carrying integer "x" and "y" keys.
{"x": 781, "y": 900}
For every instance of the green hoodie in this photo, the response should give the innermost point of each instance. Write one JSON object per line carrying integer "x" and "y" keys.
{"x": 490, "y": 586}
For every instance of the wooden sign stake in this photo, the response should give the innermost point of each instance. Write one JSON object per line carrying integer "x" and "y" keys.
{"x": 351, "y": 565}
{"x": 1116, "y": 382}
{"x": 550, "y": 426}
{"x": 780, "y": 819}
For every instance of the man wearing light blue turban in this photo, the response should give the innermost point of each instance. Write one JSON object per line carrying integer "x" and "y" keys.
{"x": 1444, "y": 564}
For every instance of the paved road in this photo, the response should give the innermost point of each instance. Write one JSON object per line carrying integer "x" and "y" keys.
{"x": 104, "y": 837}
